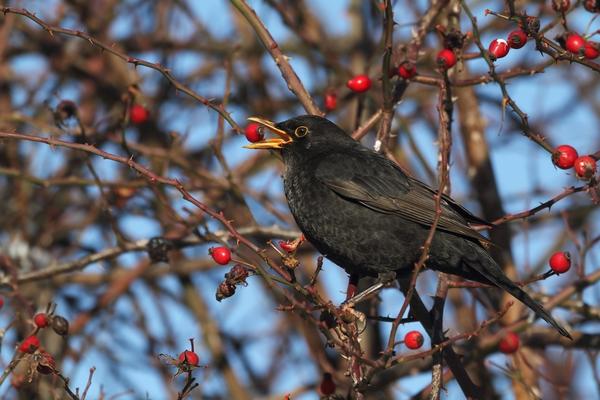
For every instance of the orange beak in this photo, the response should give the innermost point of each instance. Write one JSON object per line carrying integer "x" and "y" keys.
{"x": 275, "y": 143}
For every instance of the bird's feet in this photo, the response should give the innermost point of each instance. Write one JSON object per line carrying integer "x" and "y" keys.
{"x": 384, "y": 279}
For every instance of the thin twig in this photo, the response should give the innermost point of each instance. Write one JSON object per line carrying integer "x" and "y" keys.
{"x": 281, "y": 60}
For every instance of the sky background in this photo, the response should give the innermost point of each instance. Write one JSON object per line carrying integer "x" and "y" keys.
{"x": 518, "y": 163}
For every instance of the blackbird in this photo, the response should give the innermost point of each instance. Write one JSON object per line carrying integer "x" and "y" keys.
{"x": 361, "y": 211}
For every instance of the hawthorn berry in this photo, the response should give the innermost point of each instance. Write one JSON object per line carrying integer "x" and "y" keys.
{"x": 575, "y": 43}
{"x": 561, "y": 5}
{"x": 60, "y": 325}
{"x": 330, "y": 101}
{"x": 254, "y": 132}
{"x": 498, "y": 48}
{"x": 446, "y": 59}
{"x": 585, "y": 167}
{"x": 517, "y": 39}
{"x": 564, "y": 156}
{"x": 327, "y": 386}
{"x": 221, "y": 254}
{"x": 413, "y": 340}
{"x": 1, "y": 301}
{"x": 407, "y": 70}
{"x": 30, "y": 344}
{"x": 590, "y": 50}
{"x": 509, "y": 343}
{"x": 138, "y": 114}
{"x": 225, "y": 290}
{"x": 41, "y": 320}
{"x": 189, "y": 357}
{"x": 359, "y": 84}
{"x": 560, "y": 262}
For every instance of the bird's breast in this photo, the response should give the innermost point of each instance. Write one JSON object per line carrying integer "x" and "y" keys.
{"x": 350, "y": 234}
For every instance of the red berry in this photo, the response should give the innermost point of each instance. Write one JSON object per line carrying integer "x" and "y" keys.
{"x": 330, "y": 101}
{"x": 575, "y": 43}
{"x": 413, "y": 340}
{"x": 585, "y": 167}
{"x": 590, "y": 50}
{"x": 564, "y": 156}
{"x": 221, "y": 254}
{"x": 407, "y": 70}
{"x": 517, "y": 39}
{"x": 1, "y": 301}
{"x": 509, "y": 343}
{"x": 561, "y": 5}
{"x": 446, "y": 59}
{"x": 288, "y": 247}
{"x": 138, "y": 114}
{"x": 254, "y": 132}
{"x": 30, "y": 344}
{"x": 560, "y": 261}
{"x": 359, "y": 84}
{"x": 498, "y": 48}
{"x": 189, "y": 357}
{"x": 327, "y": 386}
{"x": 41, "y": 320}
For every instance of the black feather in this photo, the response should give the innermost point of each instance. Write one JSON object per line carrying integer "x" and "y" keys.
{"x": 365, "y": 214}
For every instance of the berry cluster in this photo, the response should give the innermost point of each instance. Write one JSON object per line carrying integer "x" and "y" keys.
{"x": 499, "y": 48}
{"x": 570, "y": 41}
{"x": 565, "y": 157}
{"x": 31, "y": 348}
{"x": 573, "y": 42}
{"x": 236, "y": 276}
{"x": 579, "y": 46}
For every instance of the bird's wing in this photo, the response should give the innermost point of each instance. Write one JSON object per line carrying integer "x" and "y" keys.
{"x": 380, "y": 185}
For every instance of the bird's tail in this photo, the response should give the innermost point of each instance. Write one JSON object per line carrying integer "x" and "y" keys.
{"x": 495, "y": 275}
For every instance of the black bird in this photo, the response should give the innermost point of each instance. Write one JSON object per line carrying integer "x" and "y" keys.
{"x": 366, "y": 215}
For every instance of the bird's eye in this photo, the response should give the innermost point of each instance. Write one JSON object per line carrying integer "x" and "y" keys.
{"x": 301, "y": 131}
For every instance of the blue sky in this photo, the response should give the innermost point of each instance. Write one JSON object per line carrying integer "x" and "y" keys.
{"x": 520, "y": 166}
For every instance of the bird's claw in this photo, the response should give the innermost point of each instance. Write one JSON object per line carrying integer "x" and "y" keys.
{"x": 384, "y": 279}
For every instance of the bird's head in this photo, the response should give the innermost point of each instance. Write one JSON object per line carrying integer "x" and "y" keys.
{"x": 302, "y": 134}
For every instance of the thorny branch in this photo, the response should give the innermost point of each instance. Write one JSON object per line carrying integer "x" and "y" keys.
{"x": 70, "y": 231}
